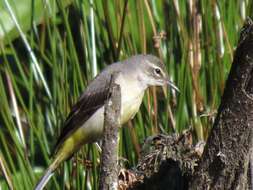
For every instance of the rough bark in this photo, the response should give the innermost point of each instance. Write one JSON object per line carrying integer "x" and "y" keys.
{"x": 109, "y": 158}
{"x": 226, "y": 159}
{"x": 166, "y": 162}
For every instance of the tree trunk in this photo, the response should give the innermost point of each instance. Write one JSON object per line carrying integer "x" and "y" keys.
{"x": 226, "y": 159}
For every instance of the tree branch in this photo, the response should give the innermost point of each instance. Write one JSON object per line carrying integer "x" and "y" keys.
{"x": 109, "y": 158}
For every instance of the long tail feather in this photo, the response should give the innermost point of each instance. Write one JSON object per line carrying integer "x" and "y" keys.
{"x": 60, "y": 156}
{"x": 43, "y": 181}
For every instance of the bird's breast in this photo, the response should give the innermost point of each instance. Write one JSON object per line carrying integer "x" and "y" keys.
{"x": 92, "y": 130}
{"x": 131, "y": 97}
{"x": 130, "y": 108}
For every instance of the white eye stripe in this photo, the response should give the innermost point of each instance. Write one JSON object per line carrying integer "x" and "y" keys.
{"x": 155, "y": 67}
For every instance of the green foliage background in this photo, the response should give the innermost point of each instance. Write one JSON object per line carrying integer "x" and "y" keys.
{"x": 50, "y": 50}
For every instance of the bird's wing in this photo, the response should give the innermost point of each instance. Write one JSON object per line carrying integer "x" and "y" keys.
{"x": 90, "y": 101}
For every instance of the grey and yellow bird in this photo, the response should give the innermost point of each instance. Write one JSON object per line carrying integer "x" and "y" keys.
{"x": 85, "y": 122}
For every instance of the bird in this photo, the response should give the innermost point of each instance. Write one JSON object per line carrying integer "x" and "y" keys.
{"x": 85, "y": 122}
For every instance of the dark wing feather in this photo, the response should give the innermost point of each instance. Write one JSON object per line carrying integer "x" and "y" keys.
{"x": 89, "y": 102}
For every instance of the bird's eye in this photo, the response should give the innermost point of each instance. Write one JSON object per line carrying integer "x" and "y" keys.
{"x": 157, "y": 71}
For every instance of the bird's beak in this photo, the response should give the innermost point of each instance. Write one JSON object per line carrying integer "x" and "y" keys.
{"x": 172, "y": 85}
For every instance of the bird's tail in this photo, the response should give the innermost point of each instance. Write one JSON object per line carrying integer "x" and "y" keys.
{"x": 48, "y": 174}
{"x": 44, "y": 179}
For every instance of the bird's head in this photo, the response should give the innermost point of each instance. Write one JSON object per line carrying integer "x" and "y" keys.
{"x": 153, "y": 72}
